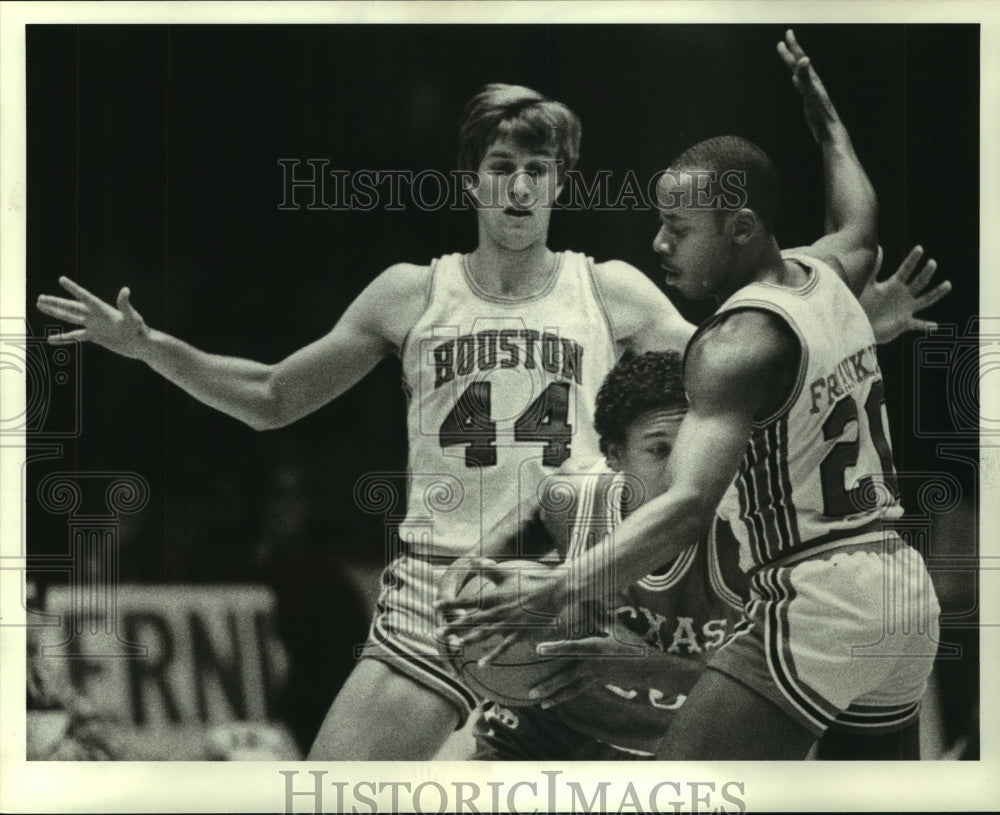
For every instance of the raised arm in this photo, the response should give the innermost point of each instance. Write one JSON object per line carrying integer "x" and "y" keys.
{"x": 851, "y": 239}
{"x": 263, "y": 396}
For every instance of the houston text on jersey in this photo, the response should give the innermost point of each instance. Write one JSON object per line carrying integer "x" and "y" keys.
{"x": 507, "y": 348}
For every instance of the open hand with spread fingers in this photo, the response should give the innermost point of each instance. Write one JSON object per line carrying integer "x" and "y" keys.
{"x": 121, "y": 329}
{"x": 892, "y": 304}
{"x": 619, "y": 657}
{"x": 509, "y": 610}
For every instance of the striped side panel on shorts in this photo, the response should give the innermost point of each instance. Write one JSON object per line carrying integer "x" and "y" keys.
{"x": 877, "y": 718}
{"x": 419, "y": 661}
{"x": 775, "y": 587}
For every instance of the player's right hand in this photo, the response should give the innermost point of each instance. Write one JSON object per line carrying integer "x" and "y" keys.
{"x": 514, "y": 604}
{"x": 121, "y": 329}
{"x": 599, "y": 660}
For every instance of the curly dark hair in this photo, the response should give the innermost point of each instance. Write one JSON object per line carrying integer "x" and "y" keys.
{"x": 637, "y": 384}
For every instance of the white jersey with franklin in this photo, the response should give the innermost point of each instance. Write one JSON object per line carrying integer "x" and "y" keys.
{"x": 820, "y": 470}
{"x": 501, "y": 393}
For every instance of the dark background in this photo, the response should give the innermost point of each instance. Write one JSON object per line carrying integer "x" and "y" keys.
{"x": 153, "y": 163}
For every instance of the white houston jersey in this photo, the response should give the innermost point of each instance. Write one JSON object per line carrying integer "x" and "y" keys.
{"x": 820, "y": 470}
{"x": 501, "y": 392}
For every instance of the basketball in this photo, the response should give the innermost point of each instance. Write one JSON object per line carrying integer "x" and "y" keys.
{"x": 513, "y": 673}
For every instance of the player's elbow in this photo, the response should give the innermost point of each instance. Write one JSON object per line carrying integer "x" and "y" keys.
{"x": 271, "y": 403}
{"x": 858, "y": 226}
{"x": 261, "y": 421}
{"x": 864, "y": 225}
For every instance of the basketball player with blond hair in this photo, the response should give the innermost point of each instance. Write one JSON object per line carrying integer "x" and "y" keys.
{"x": 502, "y": 351}
{"x": 786, "y": 439}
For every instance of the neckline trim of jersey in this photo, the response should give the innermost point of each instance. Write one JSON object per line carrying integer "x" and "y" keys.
{"x": 809, "y": 266}
{"x": 496, "y": 298}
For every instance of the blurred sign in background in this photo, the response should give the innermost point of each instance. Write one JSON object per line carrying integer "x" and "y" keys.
{"x": 154, "y": 160}
{"x": 182, "y": 672}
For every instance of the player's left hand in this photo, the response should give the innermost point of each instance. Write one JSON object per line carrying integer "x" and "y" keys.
{"x": 892, "y": 304}
{"x": 121, "y": 329}
{"x": 821, "y": 115}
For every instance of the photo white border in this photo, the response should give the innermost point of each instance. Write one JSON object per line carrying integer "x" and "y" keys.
{"x": 229, "y": 787}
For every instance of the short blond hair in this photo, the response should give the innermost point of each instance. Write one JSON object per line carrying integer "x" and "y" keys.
{"x": 524, "y": 115}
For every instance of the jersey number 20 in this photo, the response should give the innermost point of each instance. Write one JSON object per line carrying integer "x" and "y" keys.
{"x": 838, "y": 501}
{"x": 470, "y": 422}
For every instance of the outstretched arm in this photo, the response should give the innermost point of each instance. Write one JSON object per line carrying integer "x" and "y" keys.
{"x": 851, "y": 243}
{"x": 851, "y": 239}
{"x": 262, "y": 396}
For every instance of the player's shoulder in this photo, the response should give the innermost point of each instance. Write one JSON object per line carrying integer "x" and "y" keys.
{"x": 640, "y": 314}
{"x": 560, "y": 491}
{"x": 616, "y": 277}
{"x": 580, "y": 466}
{"x": 744, "y": 335}
{"x": 407, "y": 275}
{"x": 749, "y": 346}
{"x": 401, "y": 287}
{"x": 815, "y": 256}
{"x": 392, "y": 303}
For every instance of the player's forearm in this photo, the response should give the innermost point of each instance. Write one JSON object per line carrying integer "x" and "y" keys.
{"x": 502, "y": 539}
{"x": 654, "y": 534}
{"x": 238, "y": 387}
{"x": 520, "y": 534}
{"x": 851, "y": 204}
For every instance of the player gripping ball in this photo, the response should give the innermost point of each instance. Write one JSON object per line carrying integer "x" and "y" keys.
{"x": 509, "y": 677}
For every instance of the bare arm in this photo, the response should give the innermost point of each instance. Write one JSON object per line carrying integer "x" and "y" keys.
{"x": 731, "y": 382}
{"x": 263, "y": 396}
{"x": 641, "y": 316}
{"x": 527, "y": 531}
{"x": 851, "y": 240}
{"x": 851, "y": 243}
{"x": 520, "y": 532}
